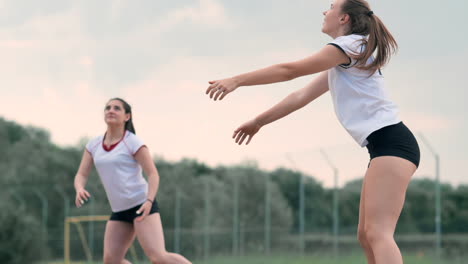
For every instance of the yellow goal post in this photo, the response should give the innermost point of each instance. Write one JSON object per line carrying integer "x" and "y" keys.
{"x": 76, "y": 221}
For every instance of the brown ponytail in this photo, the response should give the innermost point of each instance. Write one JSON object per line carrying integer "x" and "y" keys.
{"x": 364, "y": 22}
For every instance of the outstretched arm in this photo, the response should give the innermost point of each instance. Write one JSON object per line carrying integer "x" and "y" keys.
{"x": 291, "y": 103}
{"x": 326, "y": 58}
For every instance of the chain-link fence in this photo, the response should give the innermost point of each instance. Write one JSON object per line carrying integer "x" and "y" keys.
{"x": 225, "y": 211}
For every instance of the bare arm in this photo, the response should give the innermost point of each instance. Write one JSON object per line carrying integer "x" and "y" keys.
{"x": 295, "y": 100}
{"x": 143, "y": 157}
{"x": 81, "y": 178}
{"x": 328, "y": 57}
{"x": 291, "y": 103}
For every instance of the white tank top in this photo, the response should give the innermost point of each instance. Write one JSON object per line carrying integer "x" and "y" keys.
{"x": 119, "y": 172}
{"x": 360, "y": 101}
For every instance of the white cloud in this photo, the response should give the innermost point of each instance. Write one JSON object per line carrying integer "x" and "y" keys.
{"x": 209, "y": 13}
{"x": 16, "y": 44}
{"x": 69, "y": 114}
{"x": 57, "y": 74}
{"x": 86, "y": 61}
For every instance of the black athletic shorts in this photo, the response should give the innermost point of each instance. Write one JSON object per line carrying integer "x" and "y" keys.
{"x": 130, "y": 214}
{"x": 394, "y": 140}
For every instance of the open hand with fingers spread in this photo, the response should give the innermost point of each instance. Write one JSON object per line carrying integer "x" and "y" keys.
{"x": 219, "y": 89}
{"x": 248, "y": 129}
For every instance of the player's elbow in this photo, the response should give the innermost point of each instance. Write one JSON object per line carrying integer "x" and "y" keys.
{"x": 298, "y": 99}
{"x": 289, "y": 71}
{"x": 154, "y": 176}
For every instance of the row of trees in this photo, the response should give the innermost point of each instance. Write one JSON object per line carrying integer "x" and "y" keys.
{"x": 34, "y": 168}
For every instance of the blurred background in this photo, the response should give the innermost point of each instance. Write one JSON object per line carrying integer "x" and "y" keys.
{"x": 291, "y": 196}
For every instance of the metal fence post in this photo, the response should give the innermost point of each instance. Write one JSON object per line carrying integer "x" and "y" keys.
{"x": 177, "y": 221}
{"x": 206, "y": 247}
{"x": 235, "y": 218}
{"x": 267, "y": 243}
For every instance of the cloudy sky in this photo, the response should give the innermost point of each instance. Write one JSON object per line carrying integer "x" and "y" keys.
{"x": 62, "y": 60}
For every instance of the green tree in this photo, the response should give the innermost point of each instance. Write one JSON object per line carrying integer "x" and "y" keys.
{"x": 318, "y": 205}
{"x": 20, "y": 235}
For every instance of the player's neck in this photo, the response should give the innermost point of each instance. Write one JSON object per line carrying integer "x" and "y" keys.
{"x": 114, "y": 133}
{"x": 341, "y": 31}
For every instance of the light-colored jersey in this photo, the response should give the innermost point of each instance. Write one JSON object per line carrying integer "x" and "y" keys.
{"x": 360, "y": 101}
{"x": 120, "y": 173}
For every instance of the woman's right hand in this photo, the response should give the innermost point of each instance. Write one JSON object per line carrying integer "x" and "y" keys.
{"x": 82, "y": 196}
{"x": 221, "y": 88}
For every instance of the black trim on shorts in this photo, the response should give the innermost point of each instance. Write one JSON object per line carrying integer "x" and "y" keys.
{"x": 130, "y": 214}
{"x": 394, "y": 140}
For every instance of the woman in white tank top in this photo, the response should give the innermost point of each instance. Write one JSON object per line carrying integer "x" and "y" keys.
{"x": 348, "y": 69}
{"x": 120, "y": 157}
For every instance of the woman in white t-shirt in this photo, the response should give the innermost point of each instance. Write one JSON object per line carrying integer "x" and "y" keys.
{"x": 120, "y": 157}
{"x": 349, "y": 70}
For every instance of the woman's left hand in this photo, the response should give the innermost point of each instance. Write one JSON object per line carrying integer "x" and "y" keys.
{"x": 144, "y": 211}
{"x": 220, "y": 88}
{"x": 248, "y": 129}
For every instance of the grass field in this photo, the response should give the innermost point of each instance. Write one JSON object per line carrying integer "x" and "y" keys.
{"x": 293, "y": 260}
{"x": 307, "y": 260}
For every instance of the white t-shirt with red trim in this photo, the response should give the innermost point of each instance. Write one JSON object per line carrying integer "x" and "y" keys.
{"x": 361, "y": 102}
{"x": 120, "y": 173}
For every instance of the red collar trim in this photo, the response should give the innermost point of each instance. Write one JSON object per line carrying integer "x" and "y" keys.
{"x": 111, "y": 147}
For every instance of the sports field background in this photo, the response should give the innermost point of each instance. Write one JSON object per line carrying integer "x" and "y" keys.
{"x": 222, "y": 214}
{"x": 353, "y": 259}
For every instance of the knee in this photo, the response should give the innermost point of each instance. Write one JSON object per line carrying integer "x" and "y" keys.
{"x": 158, "y": 258}
{"x": 361, "y": 235}
{"x": 110, "y": 259}
{"x": 374, "y": 234}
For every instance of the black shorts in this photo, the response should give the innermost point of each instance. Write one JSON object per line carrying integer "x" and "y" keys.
{"x": 130, "y": 214}
{"x": 394, "y": 140}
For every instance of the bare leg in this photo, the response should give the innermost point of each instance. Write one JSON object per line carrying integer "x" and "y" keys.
{"x": 361, "y": 232}
{"x": 385, "y": 188}
{"x": 118, "y": 238}
{"x": 151, "y": 237}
